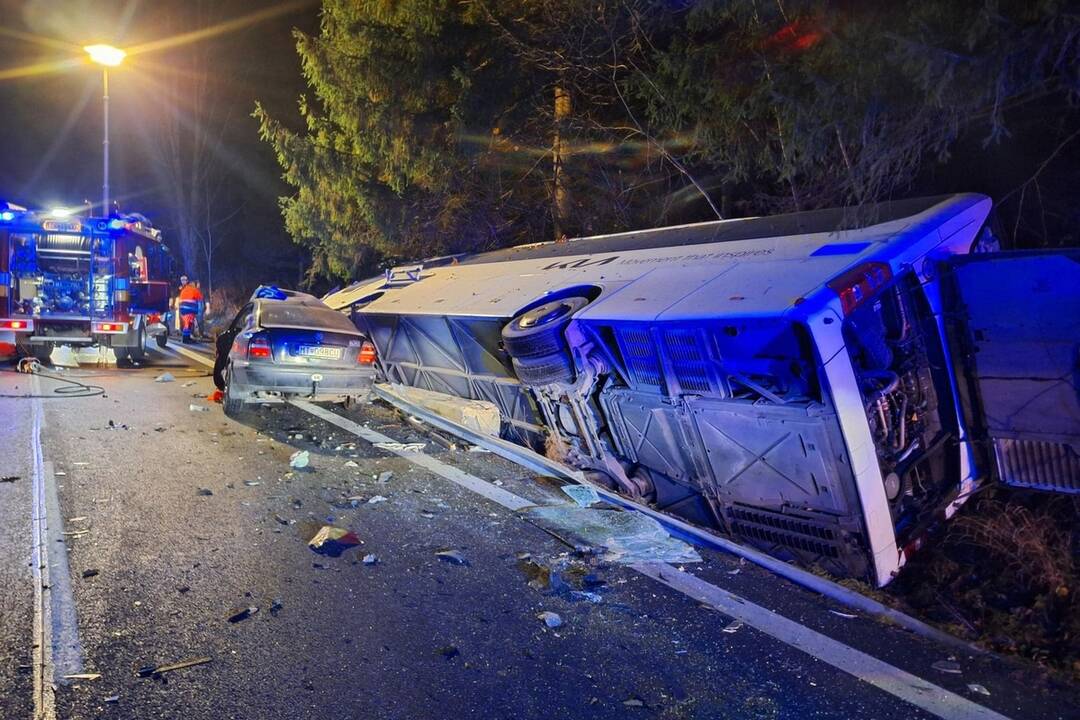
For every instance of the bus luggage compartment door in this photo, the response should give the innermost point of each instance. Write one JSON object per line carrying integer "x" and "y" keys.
{"x": 1014, "y": 327}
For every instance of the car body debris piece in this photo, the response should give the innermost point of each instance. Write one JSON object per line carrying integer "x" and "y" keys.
{"x": 849, "y": 616}
{"x": 9, "y": 478}
{"x": 371, "y": 559}
{"x": 90, "y": 572}
{"x": 376, "y": 499}
{"x": 949, "y": 667}
{"x": 333, "y": 541}
{"x": 477, "y": 415}
{"x": 300, "y": 459}
{"x": 451, "y": 556}
{"x": 351, "y": 464}
{"x": 153, "y": 670}
{"x": 164, "y": 378}
{"x": 978, "y": 689}
{"x": 400, "y": 447}
{"x": 275, "y": 606}
{"x": 732, "y": 627}
{"x": 240, "y": 614}
{"x": 385, "y": 477}
{"x": 198, "y": 408}
{"x": 112, "y": 699}
{"x": 550, "y": 619}
{"x": 583, "y": 495}
{"x": 625, "y": 536}
{"x": 83, "y": 676}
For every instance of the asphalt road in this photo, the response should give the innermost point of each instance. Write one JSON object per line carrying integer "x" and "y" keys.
{"x": 175, "y": 519}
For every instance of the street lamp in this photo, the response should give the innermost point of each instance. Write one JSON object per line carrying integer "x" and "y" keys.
{"x": 106, "y": 56}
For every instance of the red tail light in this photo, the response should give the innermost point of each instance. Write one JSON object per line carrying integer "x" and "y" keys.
{"x": 153, "y": 318}
{"x": 110, "y": 328}
{"x": 860, "y": 283}
{"x": 259, "y": 347}
{"x": 366, "y": 356}
{"x": 21, "y": 325}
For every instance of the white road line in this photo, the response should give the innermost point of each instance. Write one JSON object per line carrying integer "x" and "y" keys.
{"x": 44, "y": 698}
{"x": 186, "y": 352}
{"x": 871, "y": 670}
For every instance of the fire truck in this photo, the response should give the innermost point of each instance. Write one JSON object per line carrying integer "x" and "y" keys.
{"x": 67, "y": 280}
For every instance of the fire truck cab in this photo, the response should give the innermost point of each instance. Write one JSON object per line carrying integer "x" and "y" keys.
{"x": 67, "y": 280}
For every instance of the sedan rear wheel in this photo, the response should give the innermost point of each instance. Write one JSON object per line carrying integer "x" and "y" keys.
{"x": 232, "y": 406}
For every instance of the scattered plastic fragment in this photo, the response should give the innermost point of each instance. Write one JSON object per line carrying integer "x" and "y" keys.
{"x": 451, "y": 556}
{"x": 83, "y": 676}
{"x": 351, "y": 464}
{"x": 60, "y": 473}
{"x": 283, "y": 521}
{"x": 849, "y": 616}
{"x": 552, "y": 620}
{"x": 9, "y": 478}
{"x": 333, "y": 541}
{"x": 216, "y": 397}
{"x": 376, "y": 499}
{"x": 299, "y": 459}
{"x": 198, "y": 408}
{"x": 371, "y": 559}
{"x": 592, "y": 597}
{"x": 634, "y": 702}
{"x": 950, "y": 667}
{"x": 111, "y": 699}
{"x": 400, "y": 447}
{"x": 734, "y": 571}
{"x": 732, "y": 627}
{"x": 583, "y": 495}
{"x": 385, "y": 477}
{"x": 478, "y": 449}
{"x": 275, "y": 606}
{"x": 241, "y": 614}
{"x": 252, "y": 483}
{"x": 978, "y": 689}
{"x": 90, "y": 572}
{"x": 189, "y": 383}
{"x": 164, "y": 378}
{"x": 152, "y": 670}
{"x": 624, "y": 536}
{"x": 204, "y": 492}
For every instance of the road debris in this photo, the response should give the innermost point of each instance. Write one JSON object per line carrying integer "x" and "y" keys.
{"x": 59, "y": 473}
{"x": 371, "y": 559}
{"x": 204, "y": 492}
{"x": 9, "y": 478}
{"x": 299, "y": 459}
{"x": 400, "y": 447}
{"x": 155, "y": 670}
{"x": 385, "y": 477}
{"x": 838, "y": 613}
{"x": 351, "y": 464}
{"x": 196, "y": 408}
{"x": 451, "y": 556}
{"x": 164, "y": 378}
{"x": 950, "y": 667}
{"x": 376, "y": 499}
{"x": 332, "y": 541}
{"x": 583, "y": 495}
{"x": 449, "y": 652}
{"x": 978, "y": 689}
{"x": 634, "y": 702}
{"x": 252, "y": 483}
{"x": 112, "y": 699}
{"x": 283, "y": 521}
{"x": 240, "y": 614}
{"x": 550, "y": 619}
{"x": 623, "y": 536}
{"x": 189, "y": 383}
{"x": 83, "y": 676}
{"x": 275, "y": 606}
{"x": 90, "y": 572}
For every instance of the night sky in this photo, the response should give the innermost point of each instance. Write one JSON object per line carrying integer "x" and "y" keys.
{"x": 52, "y": 119}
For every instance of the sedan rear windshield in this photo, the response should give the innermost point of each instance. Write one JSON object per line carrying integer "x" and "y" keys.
{"x": 296, "y": 315}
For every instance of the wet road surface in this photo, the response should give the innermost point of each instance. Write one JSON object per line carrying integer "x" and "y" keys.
{"x": 176, "y": 519}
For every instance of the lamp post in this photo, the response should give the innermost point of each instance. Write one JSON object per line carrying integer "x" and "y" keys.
{"x": 106, "y": 56}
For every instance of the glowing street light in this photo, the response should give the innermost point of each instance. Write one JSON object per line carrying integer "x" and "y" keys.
{"x": 106, "y": 56}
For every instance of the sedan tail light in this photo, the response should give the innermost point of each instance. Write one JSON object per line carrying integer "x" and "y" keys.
{"x": 259, "y": 347}
{"x": 367, "y": 355}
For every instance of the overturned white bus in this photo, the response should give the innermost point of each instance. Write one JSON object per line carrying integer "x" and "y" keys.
{"x": 825, "y": 385}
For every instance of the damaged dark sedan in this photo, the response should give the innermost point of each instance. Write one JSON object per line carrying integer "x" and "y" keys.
{"x": 284, "y": 344}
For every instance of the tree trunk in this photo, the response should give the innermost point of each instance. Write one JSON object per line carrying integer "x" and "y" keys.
{"x": 560, "y": 193}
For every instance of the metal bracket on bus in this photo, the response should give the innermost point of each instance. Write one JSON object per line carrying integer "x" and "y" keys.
{"x": 403, "y": 275}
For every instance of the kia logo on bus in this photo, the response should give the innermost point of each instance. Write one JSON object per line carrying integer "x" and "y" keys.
{"x": 581, "y": 263}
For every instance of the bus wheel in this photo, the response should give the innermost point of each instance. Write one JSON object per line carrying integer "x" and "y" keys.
{"x": 539, "y": 332}
{"x": 544, "y": 370}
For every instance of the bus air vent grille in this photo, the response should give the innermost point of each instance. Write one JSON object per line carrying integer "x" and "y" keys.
{"x": 772, "y": 528}
{"x": 641, "y": 358}
{"x": 684, "y": 348}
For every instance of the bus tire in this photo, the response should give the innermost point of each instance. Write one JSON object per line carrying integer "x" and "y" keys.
{"x": 544, "y": 370}
{"x": 539, "y": 332}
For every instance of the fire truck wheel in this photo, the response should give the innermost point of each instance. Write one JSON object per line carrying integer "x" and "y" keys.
{"x": 544, "y": 370}
{"x": 137, "y": 353}
{"x": 539, "y": 332}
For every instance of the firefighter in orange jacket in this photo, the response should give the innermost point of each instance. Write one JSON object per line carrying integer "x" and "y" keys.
{"x": 190, "y": 297}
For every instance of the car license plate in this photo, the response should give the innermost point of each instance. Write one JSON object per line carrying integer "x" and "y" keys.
{"x": 319, "y": 351}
